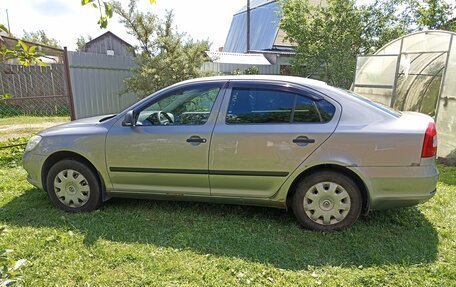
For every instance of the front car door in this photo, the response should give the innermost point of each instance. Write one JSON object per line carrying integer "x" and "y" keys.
{"x": 264, "y": 131}
{"x": 167, "y": 151}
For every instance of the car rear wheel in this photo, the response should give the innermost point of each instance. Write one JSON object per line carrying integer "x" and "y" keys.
{"x": 327, "y": 201}
{"x": 73, "y": 186}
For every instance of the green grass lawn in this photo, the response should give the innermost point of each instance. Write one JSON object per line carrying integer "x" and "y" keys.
{"x": 158, "y": 243}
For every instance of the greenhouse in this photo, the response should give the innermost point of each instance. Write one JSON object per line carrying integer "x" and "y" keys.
{"x": 416, "y": 72}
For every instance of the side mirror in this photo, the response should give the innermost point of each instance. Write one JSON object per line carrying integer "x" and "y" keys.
{"x": 130, "y": 119}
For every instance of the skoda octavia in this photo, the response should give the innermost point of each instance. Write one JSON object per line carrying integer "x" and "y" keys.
{"x": 325, "y": 153}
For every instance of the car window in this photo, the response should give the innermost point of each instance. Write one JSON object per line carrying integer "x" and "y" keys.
{"x": 306, "y": 111}
{"x": 187, "y": 107}
{"x": 326, "y": 110}
{"x": 261, "y": 106}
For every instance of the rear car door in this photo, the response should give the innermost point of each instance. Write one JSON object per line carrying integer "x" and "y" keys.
{"x": 264, "y": 131}
{"x": 167, "y": 151}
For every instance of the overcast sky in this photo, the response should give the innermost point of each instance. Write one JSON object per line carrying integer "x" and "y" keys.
{"x": 65, "y": 20}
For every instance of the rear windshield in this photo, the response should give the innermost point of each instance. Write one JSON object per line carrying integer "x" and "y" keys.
{"x": 379, "y": 106}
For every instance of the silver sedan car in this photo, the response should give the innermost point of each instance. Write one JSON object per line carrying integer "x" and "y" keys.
{"x": 325, "y": 153}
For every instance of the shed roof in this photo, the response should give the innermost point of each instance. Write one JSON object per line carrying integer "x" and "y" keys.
{"x": 108, "y": 33}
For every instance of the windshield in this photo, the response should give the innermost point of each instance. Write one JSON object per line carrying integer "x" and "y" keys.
{"x": 379, "y": 106}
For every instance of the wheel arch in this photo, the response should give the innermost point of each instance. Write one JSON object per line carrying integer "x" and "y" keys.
{"x": 62, "y": 155}
{"x": 337, "y": 168}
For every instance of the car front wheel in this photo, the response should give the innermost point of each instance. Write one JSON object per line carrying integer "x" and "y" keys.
{"x": 73, "y": 186}
{"x": 326, "y": 201}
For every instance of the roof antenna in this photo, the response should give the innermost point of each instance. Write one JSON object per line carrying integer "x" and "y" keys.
{"x": 248, "y": 26}
{"x": 7, "y": 20}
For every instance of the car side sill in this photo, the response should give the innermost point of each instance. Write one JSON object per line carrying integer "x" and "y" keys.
{"x": 199, "y": 198}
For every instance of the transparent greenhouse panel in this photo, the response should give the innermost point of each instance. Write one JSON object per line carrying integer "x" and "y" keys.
{"x": 446, "y": 117}
{"x": 437, "y": 66}
{"x": 404, "y": 83}
{"x": 428, "y": 41}
{"x": 393, "y": 48}
{"x": 375, "y": 70}
{"x": 417, "y": 92}
{"x": 429, "y": 63}
{"x": 429, "y": 100}
{"x": 378, "y": 95}
{"x": 375, "y": 76}
{"x": 419, "y": 81}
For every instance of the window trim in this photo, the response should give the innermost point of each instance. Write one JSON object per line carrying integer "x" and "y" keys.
{"x": 280, "y": 87}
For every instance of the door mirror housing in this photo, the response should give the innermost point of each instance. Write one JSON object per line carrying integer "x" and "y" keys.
{"x": 129, "y": 119}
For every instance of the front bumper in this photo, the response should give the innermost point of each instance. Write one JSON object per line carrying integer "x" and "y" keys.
{"x": 391, "y": 187}
{"x": 33, "y": 164}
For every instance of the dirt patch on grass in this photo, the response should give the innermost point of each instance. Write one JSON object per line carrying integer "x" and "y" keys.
{"x": 10, "y": 131}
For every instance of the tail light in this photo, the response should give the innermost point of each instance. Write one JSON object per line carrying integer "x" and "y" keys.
{"x": 430, "y": 141}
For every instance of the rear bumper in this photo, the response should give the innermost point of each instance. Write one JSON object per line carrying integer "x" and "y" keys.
{"x": 391, "y": 187}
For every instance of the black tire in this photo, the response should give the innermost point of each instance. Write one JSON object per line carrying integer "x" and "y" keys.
{"x": 305, "y": 185}
{"x": 94, "y": 200}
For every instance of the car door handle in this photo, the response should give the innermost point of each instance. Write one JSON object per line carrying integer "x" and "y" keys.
{"x": 196, "y": 139}
{"x": 303, "y": 140}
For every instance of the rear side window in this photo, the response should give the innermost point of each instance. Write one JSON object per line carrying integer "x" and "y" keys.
{"x": 261, "y": 106}
{"x": 306, "y": 111}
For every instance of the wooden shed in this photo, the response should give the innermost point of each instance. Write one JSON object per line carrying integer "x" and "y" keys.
{"x": 109, "y": 44}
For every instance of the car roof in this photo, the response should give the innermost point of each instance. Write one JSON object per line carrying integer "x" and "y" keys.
{"x": 336, "y": 93}
{"x": 290, "y": 79}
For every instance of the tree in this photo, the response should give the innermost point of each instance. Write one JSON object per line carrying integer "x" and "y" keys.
{"x": 383, "y": 21}
{"x": 143, "y": 26}
{"x": 435, "y": 14}
{"x": 81, "y": 41}
{"x": 165, "y": 55}
{"x": 106, "y": 10}
{"x": 40, "y": 37}
{"x": 328, "y": 39}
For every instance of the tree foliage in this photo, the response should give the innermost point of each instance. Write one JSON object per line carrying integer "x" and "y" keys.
{"x": 165, "y": 55}
{"x": 434, "y": 14}
{"x": 22, "y": 52}
{"x": 105, "y": 9}
{"x": 40, "y": 37}
{"x": 253, "y": 70}
{"x": 329, "y": 38}
{"x": 81, "y": 41}
{"x": 25, "y": 54}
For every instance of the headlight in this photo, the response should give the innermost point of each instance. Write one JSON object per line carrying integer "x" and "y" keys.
{"x": 32, "y": 143}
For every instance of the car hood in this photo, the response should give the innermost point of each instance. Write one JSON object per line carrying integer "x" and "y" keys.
{"x": 81, "y": 124}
